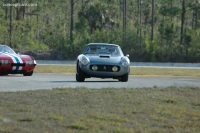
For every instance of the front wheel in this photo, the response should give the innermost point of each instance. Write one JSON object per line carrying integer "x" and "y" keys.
{"x": 28, "y": 73}
{"x": 80, "y": 77}
{"x": 3, "y": 73}
{"x": 124, "y": 78}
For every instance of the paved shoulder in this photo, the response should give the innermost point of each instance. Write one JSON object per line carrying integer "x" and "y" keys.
{"x": 49, "y": 81}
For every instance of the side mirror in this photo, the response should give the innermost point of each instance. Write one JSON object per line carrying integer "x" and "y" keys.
{"x": 127, "y": 55}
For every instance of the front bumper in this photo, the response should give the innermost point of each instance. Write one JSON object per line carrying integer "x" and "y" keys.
{"x": 105, "y": 71}
{"x": 16, "y": 68}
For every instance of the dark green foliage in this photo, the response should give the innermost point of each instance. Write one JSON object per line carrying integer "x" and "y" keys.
{"x": 45, "y": 25}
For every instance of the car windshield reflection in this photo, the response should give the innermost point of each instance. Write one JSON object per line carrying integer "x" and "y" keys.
{"x": 6, "y": 49}
{"x": 102, "y": 49}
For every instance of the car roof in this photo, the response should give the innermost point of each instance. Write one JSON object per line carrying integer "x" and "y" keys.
{"x": 102, "y": 44}
{"x": 2, "y": 45}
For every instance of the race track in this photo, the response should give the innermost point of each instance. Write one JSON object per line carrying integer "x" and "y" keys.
{"x": 49, "y": 81}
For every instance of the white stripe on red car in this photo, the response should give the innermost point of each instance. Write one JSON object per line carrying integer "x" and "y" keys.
{"x": 16, "y": 60}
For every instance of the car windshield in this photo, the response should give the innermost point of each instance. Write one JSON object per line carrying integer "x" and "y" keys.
{"x": 6, "y": 49}
{"x": 103, "y": 49}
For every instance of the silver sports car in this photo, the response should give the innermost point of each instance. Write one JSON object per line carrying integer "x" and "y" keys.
{"x": 102, "y": 60}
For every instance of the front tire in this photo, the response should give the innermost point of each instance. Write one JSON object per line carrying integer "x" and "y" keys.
{"x": 124, "y": 78}
{"x": 28, "y": 73}
{"x": 80, "y": 77}
{"x": 2, "y": 73}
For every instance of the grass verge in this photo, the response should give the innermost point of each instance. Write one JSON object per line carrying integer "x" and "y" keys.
{"x": 84, "y": 110}
{"x": 140, "y": 71}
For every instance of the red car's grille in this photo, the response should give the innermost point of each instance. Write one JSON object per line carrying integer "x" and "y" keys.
{"x": 17, "y": 64}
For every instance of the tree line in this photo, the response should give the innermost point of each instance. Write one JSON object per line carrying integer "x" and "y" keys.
{"x": 147, "y": 30}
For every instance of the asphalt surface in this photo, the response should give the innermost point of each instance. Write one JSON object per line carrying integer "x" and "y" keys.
{"x": 49, "y": 81}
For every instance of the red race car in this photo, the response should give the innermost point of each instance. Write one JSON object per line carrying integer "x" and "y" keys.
{"x": 12, "y": 63}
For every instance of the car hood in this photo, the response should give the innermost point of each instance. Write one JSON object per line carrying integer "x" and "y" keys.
{"x": 7, "y": 55}
{"x": 104, "y": 59}
{"x": 15, "y": 57}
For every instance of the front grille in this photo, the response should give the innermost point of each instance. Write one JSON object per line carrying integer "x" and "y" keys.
{"x": 18, "y": 64}
{"x": 105, "y": 68}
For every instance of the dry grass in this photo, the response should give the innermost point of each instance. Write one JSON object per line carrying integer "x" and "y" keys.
{"x": 141, "y": 110}
{"x": 54, "y": 69}
{"x": 166, "y": 72}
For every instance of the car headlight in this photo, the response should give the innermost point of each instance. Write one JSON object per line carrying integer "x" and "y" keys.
{"x": 5, "y": 62}
{"x": 125, "y": 63}
{"x": 84, "y": 61}
{"x": 29, "y": 62}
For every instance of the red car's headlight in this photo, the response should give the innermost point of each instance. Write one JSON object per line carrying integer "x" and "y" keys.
{"x": 29, "y": 62}
{"x": 5, "y": 62}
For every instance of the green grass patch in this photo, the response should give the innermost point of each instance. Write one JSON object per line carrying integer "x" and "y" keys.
{"x": 104, "y": 110}
{"x": 140, "y": 71}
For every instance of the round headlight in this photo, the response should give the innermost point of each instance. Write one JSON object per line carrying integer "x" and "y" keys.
{"x": 5, "y": 62}
{"x": 125, "y": 63}
{"x": 2, "y": 61}
{"x": 114, "y": 69}
{"x": 29, "y": 62}
{"x": 94, "y": 68}
{"x": 84, "y": 61}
